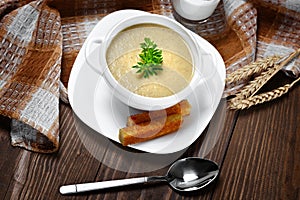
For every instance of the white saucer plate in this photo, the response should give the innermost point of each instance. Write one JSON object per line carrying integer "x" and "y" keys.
{"x": 93, "y": 101}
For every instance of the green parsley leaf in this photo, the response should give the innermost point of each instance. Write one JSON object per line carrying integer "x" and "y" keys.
{"x": 151, "y": 59}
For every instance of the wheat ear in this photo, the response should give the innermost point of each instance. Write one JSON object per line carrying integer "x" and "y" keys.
{"x": 251, "y": 69}
{"x": 261, "y": 98}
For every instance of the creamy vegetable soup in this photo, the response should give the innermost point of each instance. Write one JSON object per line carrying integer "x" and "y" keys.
{"x": 123, "y": 53}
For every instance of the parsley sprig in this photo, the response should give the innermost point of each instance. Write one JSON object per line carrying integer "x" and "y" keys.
{"x": 151, "y": 59}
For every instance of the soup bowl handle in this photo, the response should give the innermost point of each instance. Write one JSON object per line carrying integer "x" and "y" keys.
{"x": 88, "y": 52}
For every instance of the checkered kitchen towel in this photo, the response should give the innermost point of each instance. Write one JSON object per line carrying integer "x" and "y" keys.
{"x": 246, "y": 30}
{"x": 242, "y": 30}
{"x": 32, "y": 47}
{"x": 30, "y": 53}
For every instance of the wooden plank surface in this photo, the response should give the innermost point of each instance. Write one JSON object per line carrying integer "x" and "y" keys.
{"x": 257, "y": 150}
{"x": 38, "y": 176}
{"x": 263, "y": 159}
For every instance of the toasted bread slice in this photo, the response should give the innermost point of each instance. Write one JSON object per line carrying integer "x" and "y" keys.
{"x": 146, "y": 131}
{"x": 183, "y": 108}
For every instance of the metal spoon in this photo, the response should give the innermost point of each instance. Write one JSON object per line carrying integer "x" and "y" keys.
{"x": 188, "y": 174}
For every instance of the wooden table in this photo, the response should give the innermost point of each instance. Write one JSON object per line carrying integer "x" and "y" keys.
{"x": 257, "y": 149}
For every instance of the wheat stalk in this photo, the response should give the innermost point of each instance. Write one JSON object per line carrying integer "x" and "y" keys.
{"x": 251, "y": 69}
{"x": 257, "y": 83}
{"x": 261, "y": 98}
{"x": 267, "y": 69}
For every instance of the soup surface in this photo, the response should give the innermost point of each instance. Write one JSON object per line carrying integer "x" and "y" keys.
{"x": 123, "y": 53}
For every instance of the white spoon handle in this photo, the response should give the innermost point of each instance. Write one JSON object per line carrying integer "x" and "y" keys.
{"x": 85, "y": 187}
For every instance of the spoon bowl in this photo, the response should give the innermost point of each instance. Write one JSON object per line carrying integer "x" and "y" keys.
{"x": 184, "y": 175}
{"x": 190, "y": 174}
